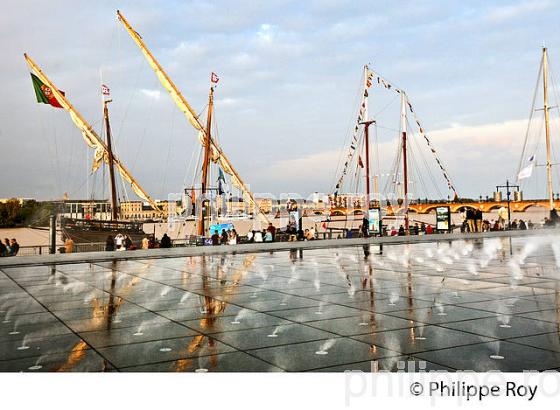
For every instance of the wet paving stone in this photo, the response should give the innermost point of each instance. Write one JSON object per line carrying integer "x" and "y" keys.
{"x": 226, "y": 362}
{"x": 457, "y": 305}
{"x": 163, "y": 350}
{"x": 322, "y": 353}
{"x": 83, "y": 360}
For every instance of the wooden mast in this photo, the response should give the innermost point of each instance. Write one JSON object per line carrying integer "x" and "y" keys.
{"x": 368, "y": 194}
{"x": 366, "y": 123}
{"x": 405, "y": 164}
{"x": 181, "y": 102}
{"x": 547, "y": 130}
{"x": 90, "y": 136}
{"x": 110, "y": 162}
{"x": 206, "y": 162}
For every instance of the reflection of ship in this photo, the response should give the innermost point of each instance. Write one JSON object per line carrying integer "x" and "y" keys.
{"x": 88, "y": 229}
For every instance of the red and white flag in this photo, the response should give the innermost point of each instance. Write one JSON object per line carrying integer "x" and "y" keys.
{"x": 360, "y": 163}
{"x": 105, "y": 90}
{"x": 214, "y": 78}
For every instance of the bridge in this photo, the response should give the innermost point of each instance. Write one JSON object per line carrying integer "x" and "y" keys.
{"x": 457, "y": 206}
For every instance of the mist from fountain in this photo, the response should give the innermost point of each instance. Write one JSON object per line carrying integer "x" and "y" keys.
{"x": 185, "y": 296}
{"x": 275, "y": 332}
{"x": 24, "y": 343}
{"x": 37, "y": 365}
{"x": 324, "y": 348}
{"x": 240, "y": 315}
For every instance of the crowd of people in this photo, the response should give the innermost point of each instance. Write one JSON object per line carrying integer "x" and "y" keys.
{"x": 124, "y": 243}
{"x": 9, "y": 247}
{"x": 473, "y": 221}
{"x": 270, "y": 234}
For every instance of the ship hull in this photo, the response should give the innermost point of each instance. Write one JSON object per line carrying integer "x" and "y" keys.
{"x": 95, "y": 231}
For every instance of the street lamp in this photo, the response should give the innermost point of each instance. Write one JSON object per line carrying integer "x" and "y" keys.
{"x": 508, "y": 193}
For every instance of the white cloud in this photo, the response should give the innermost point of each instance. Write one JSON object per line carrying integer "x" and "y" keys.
{"x": 521, "y": 9}
{"x": 476, "y": 157}
{"x": 192, "y": 50}
{"x": 155, "y": 94}
{"x": 266, "y": 32}
{"x": 229, "y": 102}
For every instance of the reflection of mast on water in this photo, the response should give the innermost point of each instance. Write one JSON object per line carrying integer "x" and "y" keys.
{"x": 213, "y": 308}
{"x": 110, "y": 162}
{"x": 204, "y": 187}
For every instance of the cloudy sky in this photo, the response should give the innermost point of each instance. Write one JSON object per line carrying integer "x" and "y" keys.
{"x": 290, "y": 73}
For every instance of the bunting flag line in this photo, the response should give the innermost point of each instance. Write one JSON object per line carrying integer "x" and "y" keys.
{"x": 388, "y": 86}
{"x": 360, "y": 163}
{"x": 361, "y": 113}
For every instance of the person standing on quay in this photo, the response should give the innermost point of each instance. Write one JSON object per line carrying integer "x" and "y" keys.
{"x": 470, "y": 220}
{"x": 68, "y": 245}
{"x": 145, "y": 243}
{"x": 215, "y": 238}
{"x": 272, "y": 229}
{"x": 478, "y": 218}
{"x": 3, "y": 250}
{"x": 224, "y": 239}
{"x": 365, "y": 227}
{"x": 110, "y": 244}
{"x": 14, "y": 247}
{"x": 165, "y": 241}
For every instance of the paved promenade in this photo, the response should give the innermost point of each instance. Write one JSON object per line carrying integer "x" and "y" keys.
{"x": 439, "y": 302}
{"x": 263, "y": 247}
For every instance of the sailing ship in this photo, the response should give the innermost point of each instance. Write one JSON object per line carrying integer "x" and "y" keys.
{"x": 204, "y": 197}
{"x": 96, "y": 230}
{"x": 92, "y": 230}
{"x": 398, "y": 185}
{"x": 528, "y": 160}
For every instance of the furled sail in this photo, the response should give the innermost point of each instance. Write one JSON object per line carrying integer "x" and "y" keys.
{"x": 91, "y": 138}
{"x": 216, "y": 153}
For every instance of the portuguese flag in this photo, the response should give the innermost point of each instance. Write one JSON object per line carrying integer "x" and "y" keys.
{"x": 44, "y": 93}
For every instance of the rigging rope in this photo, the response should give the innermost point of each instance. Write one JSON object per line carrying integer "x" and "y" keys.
{"x": 382, "y": 81}
{"x": 531, "y": 113}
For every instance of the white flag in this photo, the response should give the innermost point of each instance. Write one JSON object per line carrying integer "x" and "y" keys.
{"x": 525, "y": 172}
{"x": 528, "y": 170}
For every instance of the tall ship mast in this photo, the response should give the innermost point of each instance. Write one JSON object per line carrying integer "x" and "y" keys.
{"x": 397, "y": 186}
{"x": 206, "y": 163}
{"x": 111, "y": 163}
{"x": 212, "y": 150}
{"x": 92, "y": 230}
{"x": 547, "y": 128}
{"x": 533, "y": 137}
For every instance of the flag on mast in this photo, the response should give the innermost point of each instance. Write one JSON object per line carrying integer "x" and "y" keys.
{"x": 214, "y": 78}
{"x": 221, "y": 181}
{"x": 360, "y": 163}
{"x": 528, "y": 170}
{"x": 105, "y": 90}
{"x": 44, "y": 93}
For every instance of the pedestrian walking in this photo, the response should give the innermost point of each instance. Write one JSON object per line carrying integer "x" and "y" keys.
{"x": 165, "y": 241}
{"x": 110, "y": 244}
{"x": 14, "y": 247}
{"x": 68, "y": 245}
